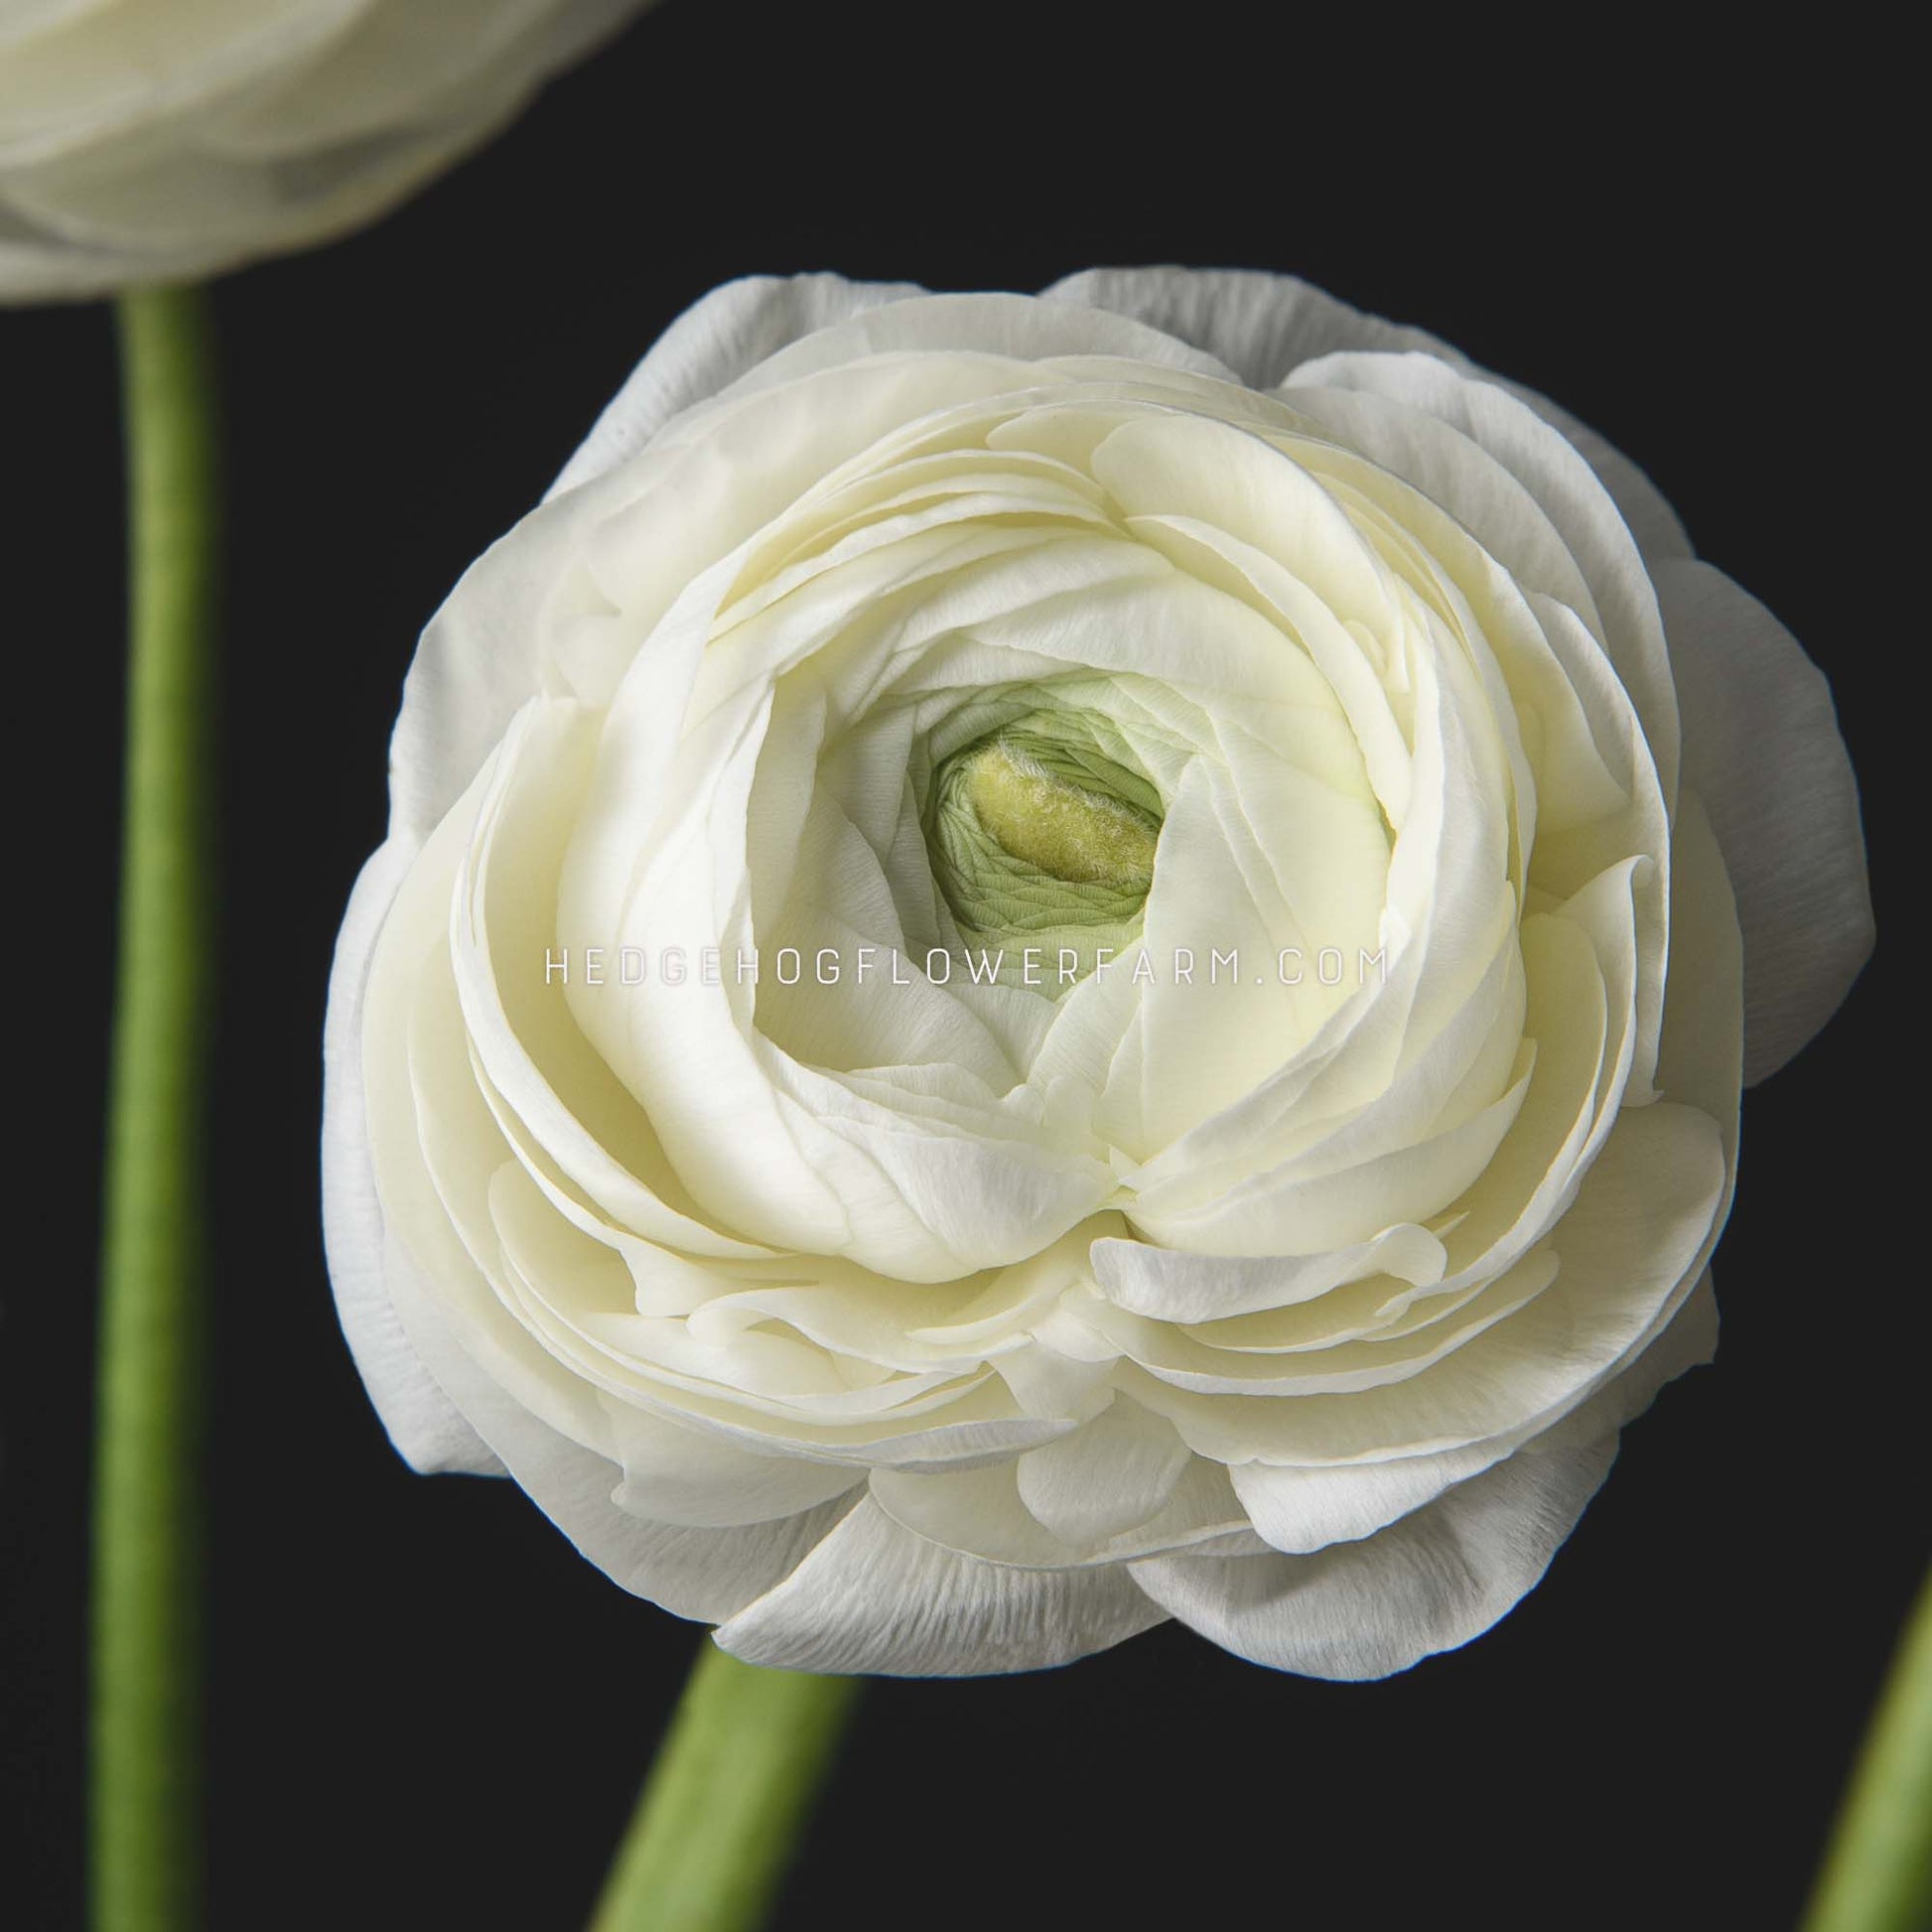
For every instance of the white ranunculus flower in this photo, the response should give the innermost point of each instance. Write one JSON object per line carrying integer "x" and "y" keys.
{"x": 1050, "y": 962}
{"x": 159, "y": 140}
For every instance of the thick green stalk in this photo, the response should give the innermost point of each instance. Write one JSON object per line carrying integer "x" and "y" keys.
{"x": 726, "y": 1799}
{"x": 145, "y": 1826}
{"x": 1878, "y": 1873}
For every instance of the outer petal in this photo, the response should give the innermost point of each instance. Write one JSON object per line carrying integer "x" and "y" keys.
{"x": 1261, "y": 326}
{"x": 1762, "y": 746}
{"x": 156, "y": 178}
{"x": 1306, "y": 1510}
{"x": 692, "y": 1571}
{"x": 483, "y": 654}
{"x": 1426, "y": 1584}
{"x": 720, "y": 338}
{"x": 1264, "y": 326}
{"x": 1566, "y": 492}
{"x": 875, "y": 1597}
{"x": 737, "y": 328}
{"x": 427, "y": 1428}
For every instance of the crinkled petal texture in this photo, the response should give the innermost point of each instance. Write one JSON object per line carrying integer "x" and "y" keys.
{"x": 1049, "y": 962}
{"x": 157, "y": 140}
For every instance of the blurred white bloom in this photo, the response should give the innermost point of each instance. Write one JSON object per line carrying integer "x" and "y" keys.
{"x": 160, "y": 140}
{"x": 1380, "y": 786}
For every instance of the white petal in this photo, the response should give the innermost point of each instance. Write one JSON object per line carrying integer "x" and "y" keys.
{"x": 1263, "y": 326}
{"x": 1105, "y": 1478}
{"x": 1762, "y": 746}
{"x": 1260, "y": 324}
{"x": 1426, "y": 1584}
{"x": 100, "y": 74}
{"x": 1701, "y": 1059}
{"x": 1300, "y": 1511}
{"x": 1173, "y": 1285}
{"x": 875, "y": 1597}
{"x": 716, "y": 340}
{"x": 1637, "y": 1236}
{"x": 1304, "y": 1509}
{"x": 1010, "y": 327}
{"x": 675, "y": 1475}
{"x": 395, "y": 66}
{"x": 1554, "y": 476}
{"x": 979, "y": 1513}
{"x": 428, "y": 1429}
{"x": 694, "y": 1572}
{"x": 226, "y": 130}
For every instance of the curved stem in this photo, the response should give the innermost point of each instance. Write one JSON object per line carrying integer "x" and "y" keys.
{"x": 145, "y": 1823}
{"x": 731, "y": 1789}
{"x": 1877, "y": 1873}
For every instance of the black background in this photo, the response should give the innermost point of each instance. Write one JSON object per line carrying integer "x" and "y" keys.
{"x": 426, "y": 1709}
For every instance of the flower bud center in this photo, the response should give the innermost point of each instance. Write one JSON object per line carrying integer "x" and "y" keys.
{"x": 1062, "y": 828}
{"x": 1037, "y": 831}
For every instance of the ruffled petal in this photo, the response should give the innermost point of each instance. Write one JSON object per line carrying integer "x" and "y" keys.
{"x": 874, "y": 1598}
{"x": 1426, "y": 1584}
{"x": 720, "y": 338}
{"x": 1263, "y": 326}
{"x": 1761, "y": 745}
{"x": 430, "y": 1433}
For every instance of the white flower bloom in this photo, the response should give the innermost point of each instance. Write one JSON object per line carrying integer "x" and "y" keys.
{"x": 1381, "y": 785}
{"x": 159, "y": 140}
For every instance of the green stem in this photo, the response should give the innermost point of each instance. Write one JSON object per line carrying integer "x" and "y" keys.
{"x": 723, "y": 1808}
{"x": 1877, "y": 1873}
{"x": 145, "y": 1839}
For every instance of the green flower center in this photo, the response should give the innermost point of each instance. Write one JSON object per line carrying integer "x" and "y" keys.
{"x": 1034, "y": 830}
{"x": 1057, "y": 826}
